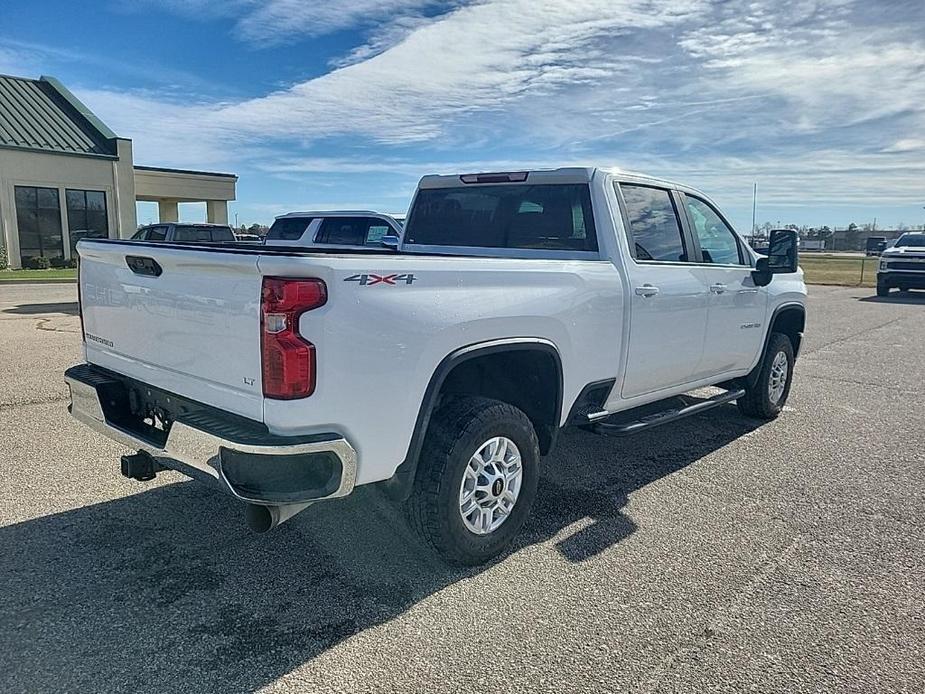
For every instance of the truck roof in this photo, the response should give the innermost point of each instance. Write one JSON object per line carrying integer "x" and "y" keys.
{"x": 183, "y": 224}
{"x": 334, "y": 213}
{"x": 566, "y": 174}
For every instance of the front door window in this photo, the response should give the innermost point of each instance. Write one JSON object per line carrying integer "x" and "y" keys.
{"x": 718, "y": 244}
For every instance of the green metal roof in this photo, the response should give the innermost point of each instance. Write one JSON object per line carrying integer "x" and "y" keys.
{"x": 42, "y": 115}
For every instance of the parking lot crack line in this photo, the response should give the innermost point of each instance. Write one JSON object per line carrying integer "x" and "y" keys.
{"x": 4, "y": 406}
{"x": 853, "y": 335}
{"x": 719, "y": 621}
{"x": 43, "y": 325}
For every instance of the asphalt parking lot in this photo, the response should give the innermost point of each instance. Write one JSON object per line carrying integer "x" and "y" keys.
{"x": 715, "y": 555}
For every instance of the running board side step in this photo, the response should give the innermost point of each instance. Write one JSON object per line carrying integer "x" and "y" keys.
{"x": 653, "y": 420}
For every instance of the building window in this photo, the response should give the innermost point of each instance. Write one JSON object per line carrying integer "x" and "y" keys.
{"x": 86, "y": 216}
{"x": 38, "y": 216}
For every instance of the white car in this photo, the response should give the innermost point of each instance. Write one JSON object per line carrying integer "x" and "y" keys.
{"x": 902, "y": 265}
{"x": 518, "y": 304}
{"x": 337, "y": 228}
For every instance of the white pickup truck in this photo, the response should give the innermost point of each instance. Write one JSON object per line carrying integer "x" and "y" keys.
{"x": 334, "y": 229}
{"x": 903, "y": 264}
{"x": 516, "y": 305}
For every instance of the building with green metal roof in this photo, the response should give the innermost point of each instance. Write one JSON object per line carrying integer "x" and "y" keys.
{"x": 64, "y": 175}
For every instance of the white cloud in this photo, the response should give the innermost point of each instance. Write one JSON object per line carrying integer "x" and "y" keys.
{"x": 15, "y": 61}
{"x": 477, "y": 58}
{"x": 277, "y": 20}
{"x": 816, "y": 99}
{"x": 474, "y": 60}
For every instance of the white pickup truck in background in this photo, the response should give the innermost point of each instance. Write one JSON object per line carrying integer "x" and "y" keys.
{"x": 902, "y": 266}
{"x": 333, "y": 229}
{"x": 517, "y": 304}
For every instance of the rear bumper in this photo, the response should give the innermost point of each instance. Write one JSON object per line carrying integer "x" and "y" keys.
{"x": 241, "y": 455}
{"x": 891, "y": 278}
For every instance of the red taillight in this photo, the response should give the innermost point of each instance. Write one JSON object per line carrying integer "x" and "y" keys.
{"x": 288, "y": 359}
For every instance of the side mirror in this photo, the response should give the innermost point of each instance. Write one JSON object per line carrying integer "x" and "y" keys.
{"x": 782, "y": 257}
{"x": 390, "y": 241}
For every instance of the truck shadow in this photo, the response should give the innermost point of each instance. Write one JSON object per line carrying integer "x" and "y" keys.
{"x": 68, "y": 308}
{"x": 913, "y": 297}
{"x": 165, "y": 590}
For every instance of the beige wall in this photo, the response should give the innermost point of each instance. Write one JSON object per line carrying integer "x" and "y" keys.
{"x": 117, "y": 177}
{"x": 48, "y": 170}
{"x": 168, "y": 188}
{"x": 124, "y": 173}
{"x": 183, "y": 187}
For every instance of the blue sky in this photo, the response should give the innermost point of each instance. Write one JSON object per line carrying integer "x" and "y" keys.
{"x": 346, "y": 103}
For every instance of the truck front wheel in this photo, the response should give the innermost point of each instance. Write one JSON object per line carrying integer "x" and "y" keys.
{"x": 883, "y": 289}
{"x": 476, "y": 479}
{"x": 765, "y": 398}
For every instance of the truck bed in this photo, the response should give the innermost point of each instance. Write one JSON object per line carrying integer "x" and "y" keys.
{"x": 195, "y": 330}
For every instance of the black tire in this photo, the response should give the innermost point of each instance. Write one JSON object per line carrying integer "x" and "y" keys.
{"x": 882, "y": 290}
{"x": 757, "y": 400}
{"x": 454, "y": 435}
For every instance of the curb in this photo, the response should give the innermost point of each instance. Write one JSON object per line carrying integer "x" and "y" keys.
{"x": 40, "y": 281}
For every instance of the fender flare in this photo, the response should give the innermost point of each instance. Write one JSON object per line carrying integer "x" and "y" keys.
{"x": 399, "y": 485}
{"x": 752, "y": 375}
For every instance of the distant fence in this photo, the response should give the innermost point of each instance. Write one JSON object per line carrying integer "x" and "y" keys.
{"x": 836, "y": 268}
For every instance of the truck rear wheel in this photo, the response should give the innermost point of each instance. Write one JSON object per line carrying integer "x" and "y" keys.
{"x": 476, "y": 479}
{"x": 766, "y": 397}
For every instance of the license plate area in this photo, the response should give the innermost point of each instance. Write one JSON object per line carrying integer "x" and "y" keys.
{"x": 142, "y": 410}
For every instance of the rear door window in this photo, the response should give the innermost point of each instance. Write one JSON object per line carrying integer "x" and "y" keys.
{"x": 541, "y": 217}
{"x": 158, "y": 233}
{"x": 654, "y": 226}
{"x": 288, "y": 228}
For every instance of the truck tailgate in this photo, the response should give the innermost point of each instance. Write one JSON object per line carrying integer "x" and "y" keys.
{"x": 188, "y": 322}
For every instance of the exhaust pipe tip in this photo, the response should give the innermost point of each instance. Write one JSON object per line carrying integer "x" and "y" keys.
{"x": 261, "y": 519}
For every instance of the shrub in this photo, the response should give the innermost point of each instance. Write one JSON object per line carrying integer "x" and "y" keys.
{"x": 4, "y": 263}
{"x": 63, "y": 262}
{"x": 37, "y": 262}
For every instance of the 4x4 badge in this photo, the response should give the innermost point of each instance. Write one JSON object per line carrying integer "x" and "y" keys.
{"x": 367, "y": 280}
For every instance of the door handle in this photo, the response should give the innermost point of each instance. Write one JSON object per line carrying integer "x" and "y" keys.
{"x": 718, "y": 288}
{"x": 646, "y": 290}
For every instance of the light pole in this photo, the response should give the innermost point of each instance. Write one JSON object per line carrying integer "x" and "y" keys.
{"x": 754, "y": 210}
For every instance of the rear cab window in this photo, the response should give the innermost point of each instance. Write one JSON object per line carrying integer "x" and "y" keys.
{"x": 515, "y": 216}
